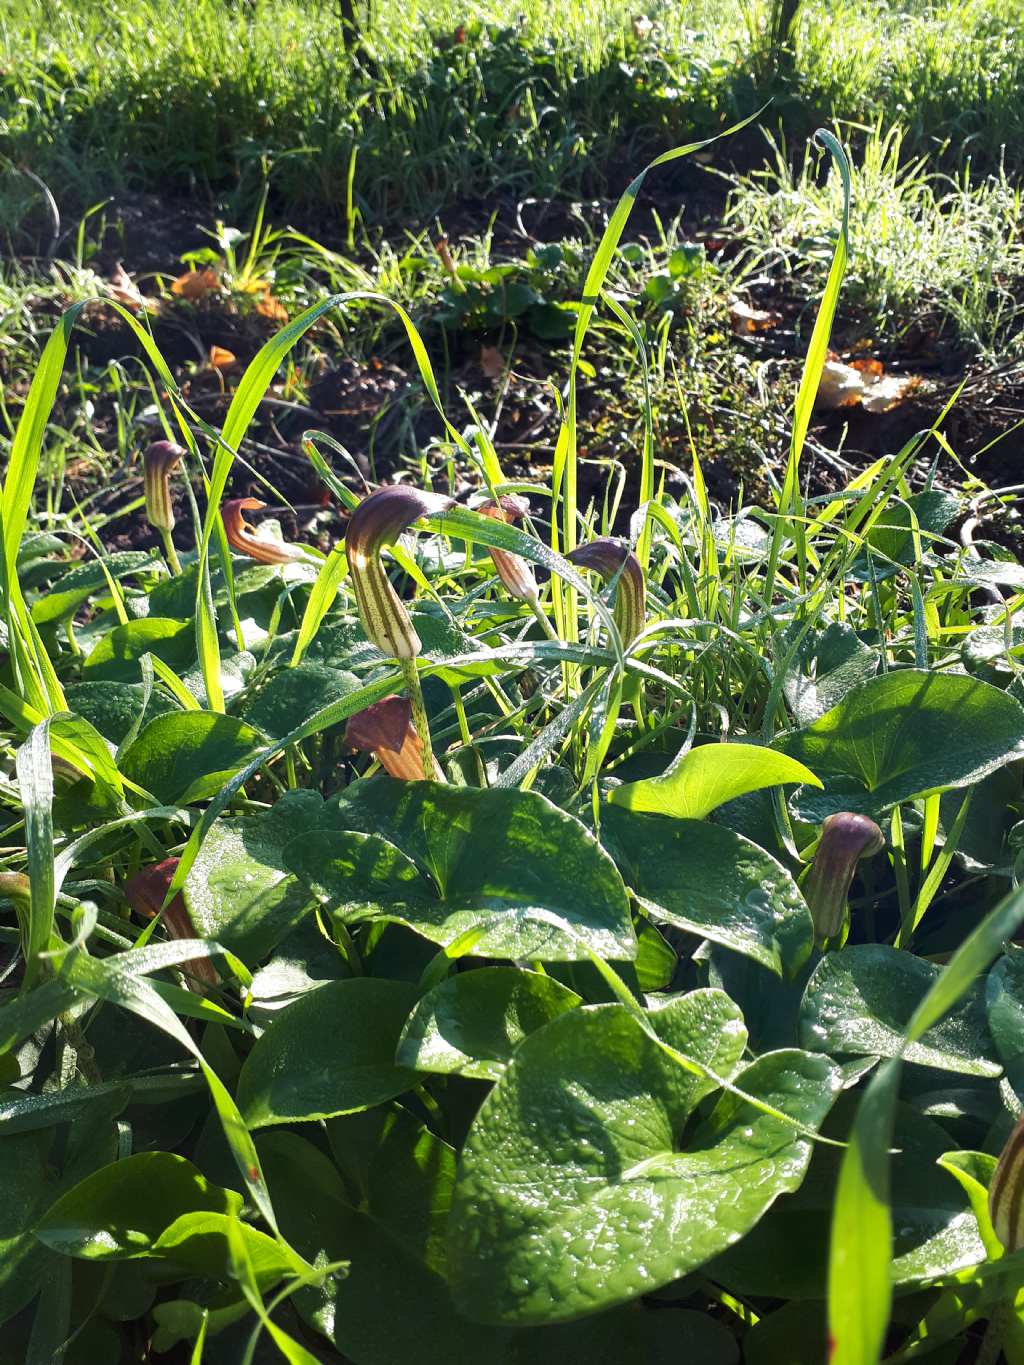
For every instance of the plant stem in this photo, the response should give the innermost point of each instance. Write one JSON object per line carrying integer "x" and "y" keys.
{"x": 542, "y": 619}
{"x": 411, "y": 678}
{"x": 460, "y": 711}
{"x": 172, "y": 555}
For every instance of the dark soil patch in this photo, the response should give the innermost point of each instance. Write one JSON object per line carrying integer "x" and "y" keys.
{"x": 375, "y": 407}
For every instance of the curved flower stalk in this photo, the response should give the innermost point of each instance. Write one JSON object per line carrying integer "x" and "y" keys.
{"x": 146, "y": 892}
{"x": 248, "y": 541}
{"x": 845, "y": 839}
{"x": 378, "y": 521}
{"x": 606, "y": 557}
{"x": 385, "y": 729}
{"x": 158, "y": 463}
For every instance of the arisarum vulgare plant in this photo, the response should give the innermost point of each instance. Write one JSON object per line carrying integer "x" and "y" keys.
{"x": 385, "y": 729}
{"x": 615, "y": 561}
{"x": 378, "y": 521}
{"x": 248, "y": 541}
{"x": 846, "y": 837}
{"x": 158, "y": 463}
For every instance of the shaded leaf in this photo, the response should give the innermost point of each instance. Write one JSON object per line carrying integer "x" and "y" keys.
{"x": 186, "y": 756}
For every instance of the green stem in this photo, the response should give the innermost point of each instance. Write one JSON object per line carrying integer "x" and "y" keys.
{"x": 411, "y": 678}
{"x": 460, "y": 711}
{"x": 172, "y": 555}
{"x": 542, "y": 620}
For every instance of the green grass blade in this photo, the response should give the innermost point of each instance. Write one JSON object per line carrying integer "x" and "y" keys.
{"x": 789, "y": 501}
{"x": 27, "y": 445}
{"x": 35, "y": 779}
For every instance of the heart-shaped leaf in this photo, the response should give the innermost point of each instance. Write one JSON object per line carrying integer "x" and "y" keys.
{"x": 708, "y": 776}
{"x": 709, "y": 881}
{"x": 446, "y": 860}
{"x": 332, "y": 1052}
{"x": 188, "y": 755}
{"x": 573, "y": 1194}
{"x": 904, "y": 734}
{"x": 394, "y": 1305}
{"x": 828, "y": 663}
{"x": 472, "y": 1023}
{"x": 861, "y": 1000}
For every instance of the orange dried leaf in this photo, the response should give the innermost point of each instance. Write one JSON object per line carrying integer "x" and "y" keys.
{"x": 269, "y": 307}
{"x": 194, "y": 285}
{"x": 221, "y": 358}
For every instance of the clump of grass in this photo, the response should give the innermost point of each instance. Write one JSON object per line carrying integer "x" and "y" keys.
{"x": 935, "y": 253}
{"x": 441, "y": 101}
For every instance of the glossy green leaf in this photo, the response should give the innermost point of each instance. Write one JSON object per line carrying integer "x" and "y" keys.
{"x": 199, "y": 1242}
{"x": 711, "y": 774}
{"x": 861, "y": 1001}
{"x": 188, "y": 755}
{"x": 332, "y": 1052}
{"x": 122, "y": 1209}
{"x": 709, "y": 881}
{"x": 575, "y": 1192}
{"x": 446, "y": 859}
{"x": 902, "y": 735}
{"x": 472, "y": 1023}
{"x": 117, "y": 653}
{"x": 827, "y": 665}
{"x": 239, "y": 890}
